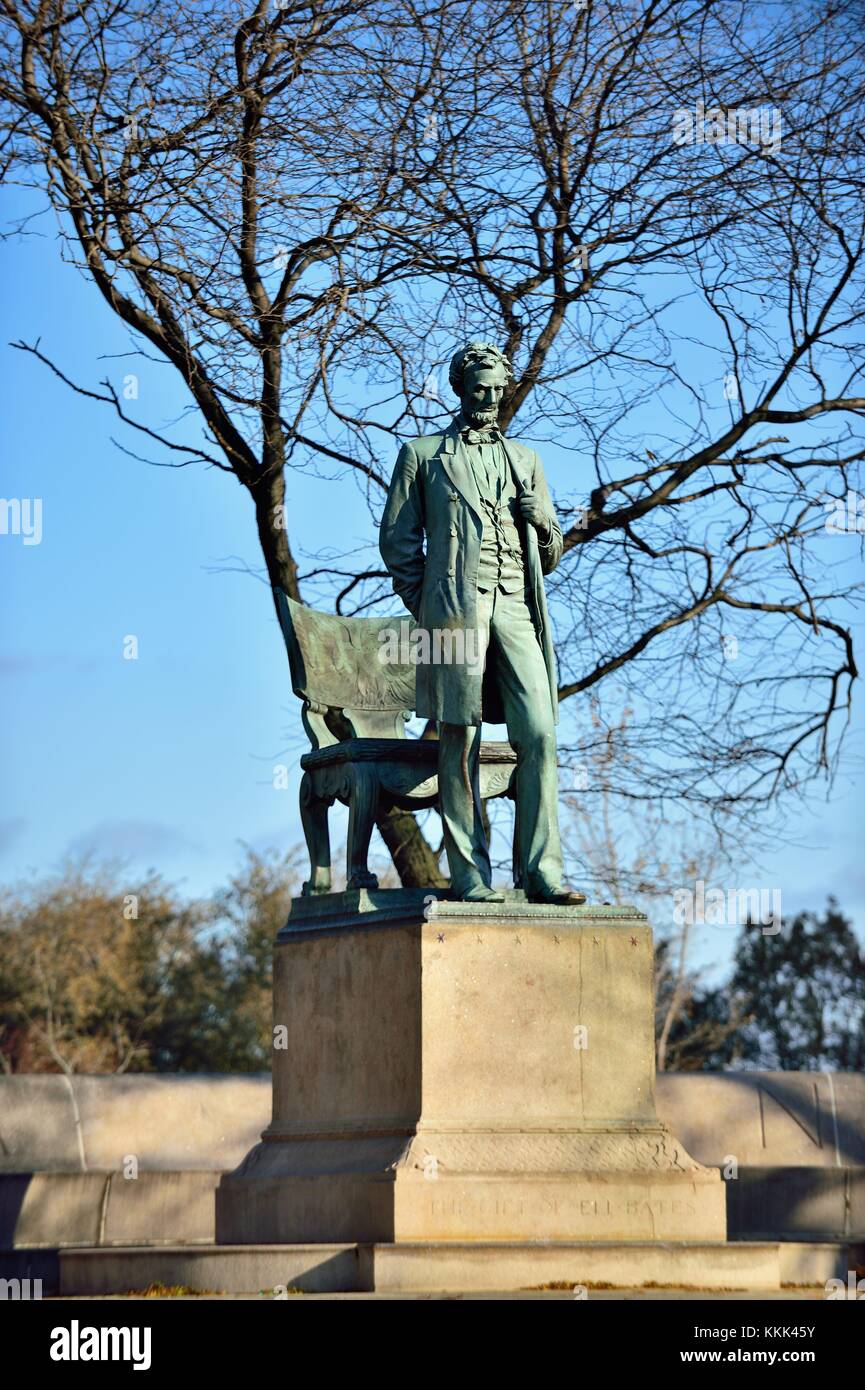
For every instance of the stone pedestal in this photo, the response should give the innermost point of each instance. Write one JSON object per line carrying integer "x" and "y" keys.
{"x": 465, "y": 1072}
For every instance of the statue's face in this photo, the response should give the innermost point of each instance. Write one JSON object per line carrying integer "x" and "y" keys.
{"x": 483, "y": 388}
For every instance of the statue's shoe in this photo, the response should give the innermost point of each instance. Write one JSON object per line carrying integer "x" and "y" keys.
{"x": 558, "y": 897}
{"x": 481, "y": 894}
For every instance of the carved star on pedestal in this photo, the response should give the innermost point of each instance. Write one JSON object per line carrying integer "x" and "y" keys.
{"x": 634, "y": 941}
{"x": 441, "y": 936}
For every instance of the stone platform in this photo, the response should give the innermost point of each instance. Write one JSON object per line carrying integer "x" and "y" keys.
{"x": 410, "y": 1267}
{"x": 457, "y": 1072}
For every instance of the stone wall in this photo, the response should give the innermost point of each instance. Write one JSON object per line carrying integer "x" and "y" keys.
{"x": 794, "y": 1143}
{"x": 761, "y": 1119}
{"x": 87, "y": 1123}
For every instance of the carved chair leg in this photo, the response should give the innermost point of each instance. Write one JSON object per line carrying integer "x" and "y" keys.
{"x": 313, "y": 816}
{"x": 363, "y": 800}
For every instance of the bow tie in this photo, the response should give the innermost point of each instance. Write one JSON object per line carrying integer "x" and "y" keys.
{"x": 488, "y": 436}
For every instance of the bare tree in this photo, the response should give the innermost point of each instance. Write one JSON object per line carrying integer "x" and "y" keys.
{"x": 656, "y": 208}
{"x": 210, "y": 166}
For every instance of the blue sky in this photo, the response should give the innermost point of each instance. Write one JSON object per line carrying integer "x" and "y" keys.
{"x": 167, "y": 761}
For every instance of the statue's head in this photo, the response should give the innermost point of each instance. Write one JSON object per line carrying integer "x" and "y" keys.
{"x": 479, "y": 374}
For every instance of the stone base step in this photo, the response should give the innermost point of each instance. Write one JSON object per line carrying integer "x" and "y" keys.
{"x": 341, "y": 1268}
{"x": 813, "y": 1262}
{"x": 423, "y": 1267}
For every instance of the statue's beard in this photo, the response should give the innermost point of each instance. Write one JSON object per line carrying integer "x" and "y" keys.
{"x": 482, "y": 419}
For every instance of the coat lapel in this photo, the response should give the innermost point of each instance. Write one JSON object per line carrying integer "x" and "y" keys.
{"x": 520, "y": 466}
{"x": 455, "y": 462}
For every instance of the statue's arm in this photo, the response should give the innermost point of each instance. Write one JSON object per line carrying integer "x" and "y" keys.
{"x": 550, "y": 541}
{"x": 402, "y": 531}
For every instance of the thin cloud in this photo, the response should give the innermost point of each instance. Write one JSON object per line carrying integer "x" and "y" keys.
{"x": 11, "y": 829}
{"x": 33, "y": 663}
{"x": 133, "y": 839}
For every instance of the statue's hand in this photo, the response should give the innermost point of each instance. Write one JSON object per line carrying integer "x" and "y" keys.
{"x": 534, "y": 511}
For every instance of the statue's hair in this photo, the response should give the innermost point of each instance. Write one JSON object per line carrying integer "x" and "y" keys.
{"x": 476, "y": 354}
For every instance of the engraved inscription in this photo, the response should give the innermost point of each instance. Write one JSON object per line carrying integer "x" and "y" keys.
{"x": 604, "y": 1208}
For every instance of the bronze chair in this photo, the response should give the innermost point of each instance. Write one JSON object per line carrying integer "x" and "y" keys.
{"x": 337, "y": 670}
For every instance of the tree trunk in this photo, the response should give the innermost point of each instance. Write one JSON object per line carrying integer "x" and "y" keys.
{"x": 268, "y": 494}
{"x": 410, "y": 851}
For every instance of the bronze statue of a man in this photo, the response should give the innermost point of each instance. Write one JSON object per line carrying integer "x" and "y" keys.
{"x": 481, "y": 503}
